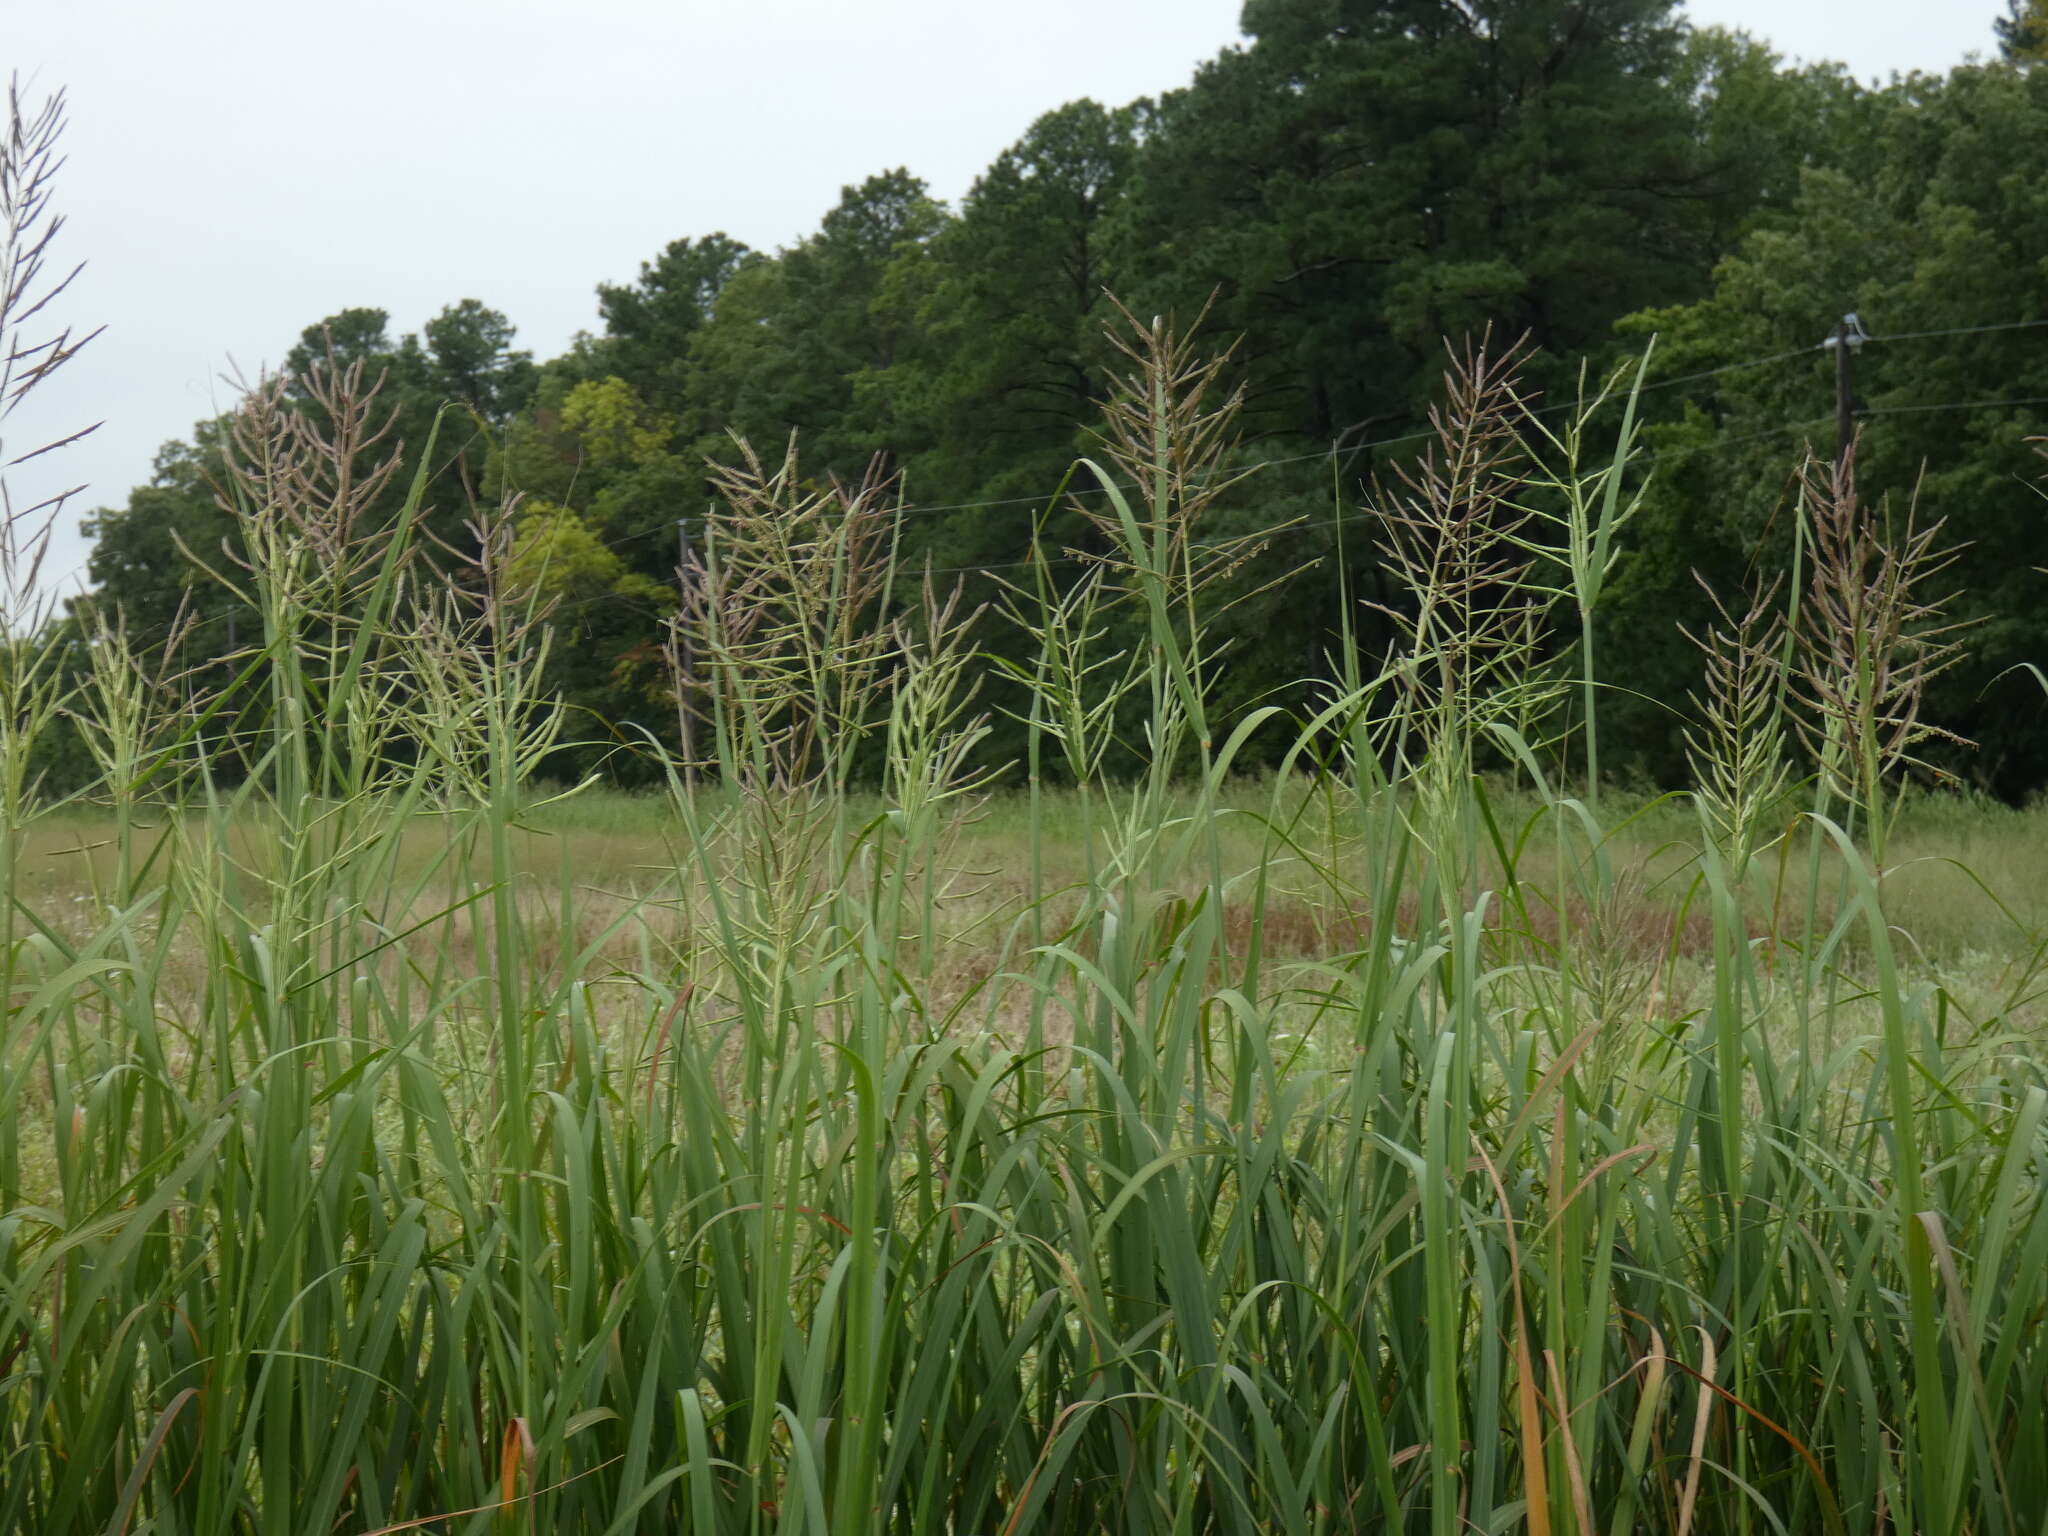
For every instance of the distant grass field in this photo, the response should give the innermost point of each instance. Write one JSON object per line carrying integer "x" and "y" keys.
{"x": 1963, "y": 886}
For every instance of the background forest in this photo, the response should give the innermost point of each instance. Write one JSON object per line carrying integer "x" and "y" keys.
{"x": 1353, "y": 184}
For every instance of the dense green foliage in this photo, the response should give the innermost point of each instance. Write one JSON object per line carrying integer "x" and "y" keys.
{"x": 1355, "y": 182}
{"x": 1934, "y": 229}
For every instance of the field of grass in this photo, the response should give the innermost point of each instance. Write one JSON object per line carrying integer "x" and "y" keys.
{"x": 1371, "y": 1146}
{"x": 1961, "y": 895}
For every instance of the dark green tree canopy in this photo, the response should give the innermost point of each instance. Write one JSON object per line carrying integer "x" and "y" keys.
{"x": 1941, "y": 237}
{"x": 1008, "y": 367}
{"x": 473, "y": 360}
{"x": 795, "y": 337}
{"x": 1363, "y": 179}
{"x": 649, "y": 322}
{"x": 348, "y": 336}
{"x": 2023, "y": 31}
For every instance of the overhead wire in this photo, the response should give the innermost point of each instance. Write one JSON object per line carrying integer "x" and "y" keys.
{"x": 1335, "y": 449}
{"x": 1351, "y": 450}
{"x": 1717, "y": 445}
{"x": 1961, "y": 330}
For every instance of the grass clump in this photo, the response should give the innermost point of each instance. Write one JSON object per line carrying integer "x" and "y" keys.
{"x": 365, "y": 1170}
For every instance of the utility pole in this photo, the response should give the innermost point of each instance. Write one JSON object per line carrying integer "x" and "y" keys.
{"x": 1847, "y": 340}
{"x": 684, "y": 567}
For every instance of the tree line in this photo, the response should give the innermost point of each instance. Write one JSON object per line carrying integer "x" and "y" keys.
{"x": 1337, "y": 194}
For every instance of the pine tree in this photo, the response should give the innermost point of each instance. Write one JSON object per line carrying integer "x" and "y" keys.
{"x": 2023, "y": 31}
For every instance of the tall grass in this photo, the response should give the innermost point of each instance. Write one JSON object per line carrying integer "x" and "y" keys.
{"x": 740, "y": 1214}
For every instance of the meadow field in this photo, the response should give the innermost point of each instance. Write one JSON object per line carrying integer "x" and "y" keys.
{"x": 1962, "y": 894}
{"x": 1423, "y": 1136}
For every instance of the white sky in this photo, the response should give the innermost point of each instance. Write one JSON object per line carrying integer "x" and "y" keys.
{"x": 240, "y": 168}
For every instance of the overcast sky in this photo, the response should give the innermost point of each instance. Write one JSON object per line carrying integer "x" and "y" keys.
{"x": 240, "y": 168}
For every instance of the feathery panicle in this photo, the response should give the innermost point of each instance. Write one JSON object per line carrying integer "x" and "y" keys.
{"x": 1170, "y": 427}
{"x": 1871, "y": 636}
{"x": 1737, "y": 746}
{"x": 1453, "y": 537}
{"x": 783, "y": 618}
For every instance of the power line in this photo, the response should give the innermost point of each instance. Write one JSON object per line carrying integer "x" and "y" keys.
{"x": 1963, "y": 330}
{"x": 1352, "y": 449}
{"x": 1716, "y": 446}
{"x": 1720, "y": 443}
{"x": 1962, "y": 405}
{"x": 1335, "y": 449}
